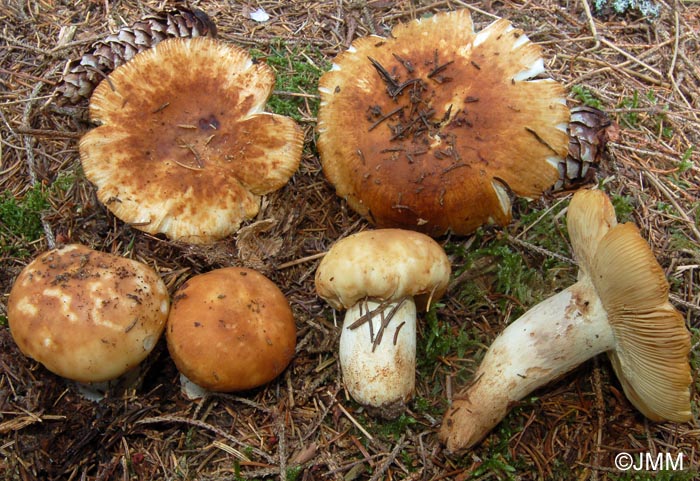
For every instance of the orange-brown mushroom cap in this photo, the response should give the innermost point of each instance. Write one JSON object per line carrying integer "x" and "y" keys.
{"x": 184, "y": 147}
{"x": 230, "y": 329}
{"x": 432, "y": 128}
{"x": 87, "y": 315}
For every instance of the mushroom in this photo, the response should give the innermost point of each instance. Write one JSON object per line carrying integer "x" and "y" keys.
{"x": 619, "y": 305}
{"x": 86, "y": 315}
{"x": 380, "y": 276}
{"x": 433, "y": 128}
{"x": 184, "y": 147}
{"x": 230, "y": 329}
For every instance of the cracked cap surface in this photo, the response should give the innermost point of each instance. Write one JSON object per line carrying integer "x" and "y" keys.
{"x": 87, "y": 315}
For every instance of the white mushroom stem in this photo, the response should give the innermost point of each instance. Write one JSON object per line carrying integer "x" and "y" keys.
{"x": 97, "y": 391}
{"x": 378, "y": 355}
{"x": 191, "y": 390}
{"x": 546, "y": 342}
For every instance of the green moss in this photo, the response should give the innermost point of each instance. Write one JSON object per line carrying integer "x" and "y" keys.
{"x": 438, "y": 340}
{"x": 686, "y": 162}
{"x": 294, "y": 472}
{"x": 662, "y": 475}
{"x": 22, "y": 216}
{"x": 637, "y": 115}
{"x": 585, "y": 96}
{"x": 513, "y": 276}
{"x": 546, "y": 229}
{"x": 679, "y": 241}
{"x": 624, "y": 207}
{"x": 297, "y": 71}
{"x": 394, "y": 428}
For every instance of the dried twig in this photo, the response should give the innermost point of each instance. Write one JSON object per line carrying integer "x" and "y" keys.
{"x": 671, "y": 198}
{"x": 209, "y": 427}
{"x": 379, "y": 473}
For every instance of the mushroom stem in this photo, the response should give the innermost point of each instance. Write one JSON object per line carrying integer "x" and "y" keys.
{"x": 547, "y": 341}
{"x": 98, "y": 390}
{"x": 378, "y": 354}
{"x": 191, "y": 390}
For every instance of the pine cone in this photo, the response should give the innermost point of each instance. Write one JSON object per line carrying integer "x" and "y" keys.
{"x": 588, "y": 134}
{"x": 82, "y": 76}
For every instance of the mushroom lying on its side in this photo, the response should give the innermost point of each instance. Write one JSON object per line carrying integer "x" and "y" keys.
{"x": 380, "y": 276}
{"x": 619, "y": 306}
{"x": 86, "y": 315}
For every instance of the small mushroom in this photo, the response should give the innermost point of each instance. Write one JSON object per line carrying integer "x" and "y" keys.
{"x": 184, "y": 147}
{"x": 86, "y": 315}
{"x": 380, "y": 276}
{"x": 435, "y": 127}
{"x": 230, "y": 329}
{"x": 619, "y": 306}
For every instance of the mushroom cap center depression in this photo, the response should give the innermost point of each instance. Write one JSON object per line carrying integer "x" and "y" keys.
{"x": 181, "y": 132}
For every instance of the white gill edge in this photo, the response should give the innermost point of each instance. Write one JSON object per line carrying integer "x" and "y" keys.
{"x": 482, "y": 36}
{"x": 535, "y": 69}
{"x": 554, "y": 161}
{"x": 503, "y": 196}
{"x": 191, "y": 390}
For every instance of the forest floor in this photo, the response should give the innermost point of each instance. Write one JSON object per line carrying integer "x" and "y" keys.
{"x": 643, "y": 71}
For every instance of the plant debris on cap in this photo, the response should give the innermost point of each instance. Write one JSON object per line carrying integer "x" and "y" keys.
{"x": 433, "y": 128}
{"x": 86, "y": 315}
{"x": 230, "y": 329}
{"x": 184, "y": 147}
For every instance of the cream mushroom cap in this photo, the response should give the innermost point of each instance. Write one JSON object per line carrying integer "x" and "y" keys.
{"x": 383, "y": 265}
{"x": 86, "y": 315}
{"x": 184, "y": 147}
{"x": 433, "y": 128}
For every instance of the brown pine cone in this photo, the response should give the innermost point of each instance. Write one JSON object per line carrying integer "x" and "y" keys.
{"x": 589, "y": 130}
{"x": 81, "y": 76}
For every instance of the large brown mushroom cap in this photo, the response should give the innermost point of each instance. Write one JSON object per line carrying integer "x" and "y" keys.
{"x": 184, "y": 147}
{"x": 432, "y": 128}
{"x": 87, "y": 315}
{"x": 230, "y": 329}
